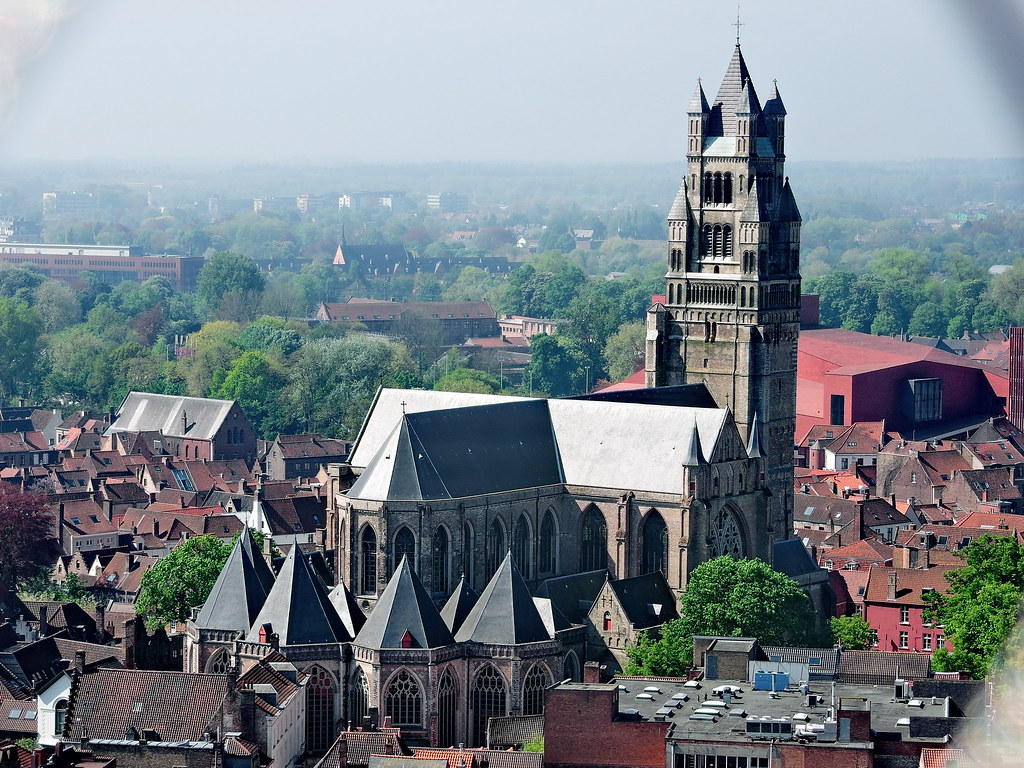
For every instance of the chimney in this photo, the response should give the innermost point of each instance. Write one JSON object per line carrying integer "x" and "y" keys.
{"x": 60, "y": 522}
{"x": 80, "y": 662}
{"x": 156, "y": 527}
{"x": 101, "y": 618}
{"x": 892, "y": 586}
{"x": 44, "y": 625}
{"x": 108, "y": 510}
{"x": 184, "y": 422}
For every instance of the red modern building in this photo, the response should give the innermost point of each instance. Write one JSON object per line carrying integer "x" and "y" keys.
{"x": 845, "y": 377}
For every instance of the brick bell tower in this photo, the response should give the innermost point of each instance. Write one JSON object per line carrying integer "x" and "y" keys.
{"x": 732, "y": 309}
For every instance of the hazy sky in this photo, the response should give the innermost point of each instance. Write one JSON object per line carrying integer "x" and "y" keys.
{"x": 528, "y": 80}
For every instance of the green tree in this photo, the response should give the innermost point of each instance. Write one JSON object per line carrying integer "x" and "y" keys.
{"x": 57, "y": 306}
{"x": 19, "y": 336}
{"x": 852, "y": 632}
{"x": 554, "y": 368}
{"x": 226, "y": 272}
{"x": 467, "y": 380}
{"x": 981, "y": 606}
{"x": 256, "y": 384}
{"x": 928, "y": 320}
{"x": 624, "y": 351}
{"x": 181, "y": 581}
{"x": 730, "y": 598}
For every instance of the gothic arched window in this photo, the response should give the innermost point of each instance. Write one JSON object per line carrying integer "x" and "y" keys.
{"x": 440, "y": 559}
{"x": 593, "y": 542}
{"x": 725, "y": 535}
{"x": 536, "y": 680}
{"x": 727, "y": 188}
{"x": 571, "y": 667}
{"x": 488, "y": 700}
{"x": 368, "y": 553}
{"x": 521, "y": 546}
{"x": 655, "y": 543}
{"x": 403, "y": 702}
{"x": 60, "y": 713}
{"x": 360, "y": 698}
{"x": 718, "y": 187}
{"x": 219, "y": 663}
{"x": 405, "y": 545}
{"x": 546, "y": 555}
{"x": 320, "y": 689}
{"x": 468, "y": 552}
{"x": 496, "y": 547}
{"x": 447, "y": 709}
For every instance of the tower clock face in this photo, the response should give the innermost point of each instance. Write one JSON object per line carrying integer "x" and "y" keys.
{"x": 726, "y": 538}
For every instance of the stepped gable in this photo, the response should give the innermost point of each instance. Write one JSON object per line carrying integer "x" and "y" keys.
{"x": 298, "y": 609}
{"x": 404, "y": 616}
{"x": 241, "y": 588}
{"x": 348, "y": 609}
{"x": 505, "y": 614}
{"x": 459, "y": 604}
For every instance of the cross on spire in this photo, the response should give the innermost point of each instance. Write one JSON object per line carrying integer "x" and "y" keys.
{"x": 738, "y": 24}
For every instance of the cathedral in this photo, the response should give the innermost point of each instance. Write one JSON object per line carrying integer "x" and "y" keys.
{"x": 463, "y": 505}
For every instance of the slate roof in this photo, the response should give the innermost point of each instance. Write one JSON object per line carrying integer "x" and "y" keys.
{"x": 523, "y": 443}
{"x": 791, "y": 558}
{"x": 404, "y": 607}
{"x": 241, "y": 589}
{"x": 505, "y": 613}
{"x": 881, "y": 667}
{"x": 646, "y": 600}
{"x": 554, "y": 620}
{"x": 573, "y": 595}
{"x": 353, "y": 748}
{"x": 723, "y": 109}
{"x": 146, "y": 411}
{"x": 828, "y": 657}
{"x": 514, "y": 731}
{"x": 680, "y": 210}
{"x": 699, "y": 103}
{"x": 298, "y": 609}
{"x": 309, "y": 446}
{"x": 348, "y": 609}
{"x": 179, "y": 706}
{"x": 458, "y": 605}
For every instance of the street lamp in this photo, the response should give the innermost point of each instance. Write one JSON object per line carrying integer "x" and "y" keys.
{"x": 586, "y": 390}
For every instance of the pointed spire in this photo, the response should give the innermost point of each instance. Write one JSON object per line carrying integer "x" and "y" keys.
{"x": 505, "y": 614}
{"x": 755, "y": 448}
{"x": 694, "y": 455}
{"x": 298, "y": 609}
{"x": 459, "y": 604}
{"x": 754, "y": 210}
{"x": 788, "y": 210}
{"x": 680, "y": 210}
{"x": 699, "y": 103}
{"x": 404, "y": 616}
{"x": 348, "y": 609}
{"x": 241, "y": 589}
{"x": 736, "y": 77}
{"x": 747, "y": 103}
{"x": 774, "y": 105}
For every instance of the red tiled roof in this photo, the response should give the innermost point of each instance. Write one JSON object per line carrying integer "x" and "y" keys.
{"x": 943, "y": 758}
{"x": 865, "y": 550}
{"x": 999, "y": 521}
{"x": 911, "y": 583}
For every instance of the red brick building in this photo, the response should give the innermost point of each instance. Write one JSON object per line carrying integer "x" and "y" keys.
{"x": 893, "y": 606}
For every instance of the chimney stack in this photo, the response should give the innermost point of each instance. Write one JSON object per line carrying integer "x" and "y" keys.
{"x": 892, "y": 585}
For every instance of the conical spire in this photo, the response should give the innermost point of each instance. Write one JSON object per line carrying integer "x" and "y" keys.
{"x": 458, "y": 606}
{"x": 736, "y": 75}
{"x": 348, "y": 609}
{"x": 747, "y": 103}
{"x": 298, "y": 609}
{"x": 699, "y": 103}
{"x": 774, "y": 105}
{"x": 754, "y": 210}
{"x": 680, "y": 210}
{"x": 241, "y": 588}
{"x": 694, "y": 456}
{"x": 404, "y": 616}
{"x": 505, "y": 614}
{"x": 755, "y": 448}
{"x": 788, "y": 210}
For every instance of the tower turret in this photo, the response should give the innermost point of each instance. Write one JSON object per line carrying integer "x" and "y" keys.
{"x": 698, "y": 114}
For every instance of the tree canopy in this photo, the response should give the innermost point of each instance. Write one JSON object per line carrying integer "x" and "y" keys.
{"x": 26, "y": 528}
{"x": 852, "y": 632}
{"x": 730, "y": 598}
{"x": 181, "y": 581}
{"x": 981, "y": 606}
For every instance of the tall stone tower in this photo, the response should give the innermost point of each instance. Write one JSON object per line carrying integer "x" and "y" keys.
{"x": 732, "y": 309}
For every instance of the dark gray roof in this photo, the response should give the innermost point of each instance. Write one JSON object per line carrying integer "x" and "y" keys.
{"x": 554, "y": 619}
{"x": 505, "y": 613}
{"x": 788, "y": 210}
{"x": 514, "y": 730}
{"x": 458, "y": 605}
{"x": 573, "y": 595}
{"x": 826, "y": 657}
{"x": 791, "y": 558}
{"x": 694, "y": 455}
{"x": 733, "y": 644}
{"x": 754, "y": 210}
{"x": 404, "y": 607}
{"x": 241, "y": 589}
{"x": 647, "y": 600}
{"x": 464, "y": 452}
{"x": 684, "y": 395}
{"x": 774, "y": 105}
{"x": 755, "y": 446}
{"x": 699, "y": 103}
{"x": 348, "y": 609}
{"x": 298, "y": 609}
{"x": 747, "y": 104}
{"x": 882, "y": 667}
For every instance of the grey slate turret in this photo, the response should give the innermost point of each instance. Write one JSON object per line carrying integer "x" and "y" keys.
{"x": 505, "y": 614}
{"x": 755, "y": 447}
{"x": 788, "y": 210}
{"x": 694, "y": 455}
{"x": 699, "y": 103}
{"x": 298, "y": 609}
{"x": 459, "y": 604}
{"x": 348, "y": 609}
{"x": 681, "y": 209}
{"x": 724, "y": 108}
{"x": 241, "y": 589}
{"x": 774, "y": 105}
{"x": 404, "y": 616}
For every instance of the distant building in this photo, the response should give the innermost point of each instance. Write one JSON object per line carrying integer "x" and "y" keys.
{"x": 61, "y": 203}
{"x": 457, "y": 320}
{"x": 518, "y": 325}
{"x": 112, "y": 264}
{"x": 448, "y": 202}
